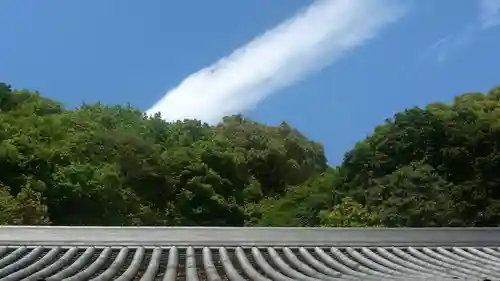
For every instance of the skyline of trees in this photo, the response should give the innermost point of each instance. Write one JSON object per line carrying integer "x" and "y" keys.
{"x": 113, "y": 165}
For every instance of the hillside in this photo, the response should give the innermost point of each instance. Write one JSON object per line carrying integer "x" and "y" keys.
{"x": 113, "y": 165}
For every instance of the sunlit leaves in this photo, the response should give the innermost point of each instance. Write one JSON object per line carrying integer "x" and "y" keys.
{"x": 113, "y": 165}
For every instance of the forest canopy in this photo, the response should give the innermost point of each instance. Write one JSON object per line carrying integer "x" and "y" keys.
{"x": 114, "y": 165}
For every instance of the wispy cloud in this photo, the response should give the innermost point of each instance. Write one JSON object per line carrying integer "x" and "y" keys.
{"x": 448, "y": 45}
{"x": 436, "y": 48}
{"x": 489, "y": 13}
{"x": 302, "y": 45}
{"x": 488, "y": 16}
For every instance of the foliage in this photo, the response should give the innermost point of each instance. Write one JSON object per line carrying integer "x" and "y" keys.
{"x": 113, "y": 165}
{"x": 436, "y": 166}
{"x": 25, "y": 208}
{"x": 348, "y": 213}
{"x": 301, "y": 204}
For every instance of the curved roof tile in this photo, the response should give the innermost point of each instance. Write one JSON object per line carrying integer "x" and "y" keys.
{"x": 126, "y": 254}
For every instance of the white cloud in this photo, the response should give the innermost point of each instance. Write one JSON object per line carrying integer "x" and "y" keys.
{"x": 437, "y": 47}
{"x": 448, "y": 45}
{"x": 488, "y": 16}
{"x": 489, "y": 13}
{"x": 302, "y": 45}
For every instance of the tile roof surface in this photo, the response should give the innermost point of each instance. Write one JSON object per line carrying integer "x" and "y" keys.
{"x": 103, "y": 253}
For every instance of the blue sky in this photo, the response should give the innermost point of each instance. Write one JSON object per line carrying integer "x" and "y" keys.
{"x": 120, "y": 52}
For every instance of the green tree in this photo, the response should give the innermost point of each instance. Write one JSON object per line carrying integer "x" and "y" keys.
{"x": 301, "y": 204}
{"x": 348, "y": 213}
{"x": 25, "y": 208}
{"x": 113, "y": 165}
{"x": 435, "y": 166}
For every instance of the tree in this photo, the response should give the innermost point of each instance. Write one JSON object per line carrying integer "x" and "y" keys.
{"x": 113, "y": 165}
{"x": 348, "y": 213}
{"x": 300, "y": 205}
{"x": 25, "y": 208}
{"x": 432, "y": 166}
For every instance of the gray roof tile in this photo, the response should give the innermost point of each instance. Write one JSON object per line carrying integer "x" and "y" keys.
{"x": 100, "y": 254}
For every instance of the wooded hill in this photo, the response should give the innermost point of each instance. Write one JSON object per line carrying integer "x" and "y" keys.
{"x": 113, "y": 165}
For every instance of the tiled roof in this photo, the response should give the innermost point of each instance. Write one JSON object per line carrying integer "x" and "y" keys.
{"x": 96, "y": 253}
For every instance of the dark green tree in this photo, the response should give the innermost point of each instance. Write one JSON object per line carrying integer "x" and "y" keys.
{"x": 435, "y": 166}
